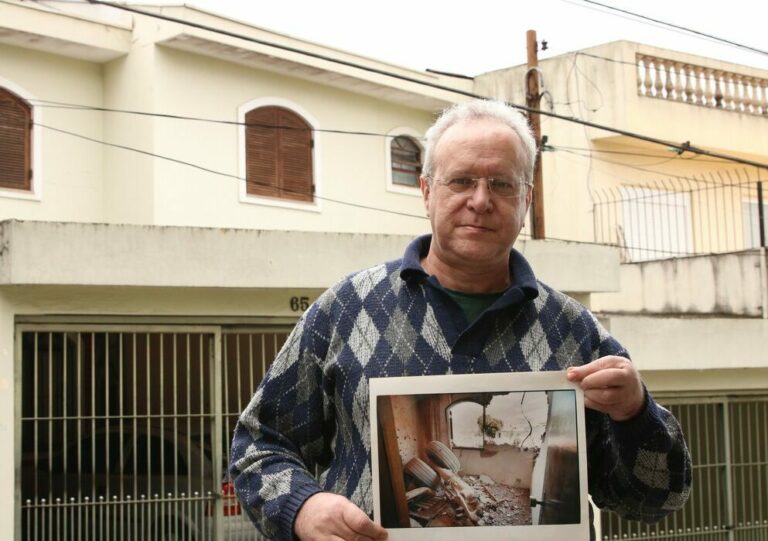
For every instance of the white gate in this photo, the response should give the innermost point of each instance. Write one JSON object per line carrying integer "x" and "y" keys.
{"x": 125, "y": 430}
{"x": 728, "y": 440}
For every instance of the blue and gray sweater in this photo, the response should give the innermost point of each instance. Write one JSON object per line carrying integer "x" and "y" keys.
{"x": 311, "y": 410}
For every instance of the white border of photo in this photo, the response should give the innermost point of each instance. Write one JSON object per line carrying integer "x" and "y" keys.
{"x": 474, "y": 383}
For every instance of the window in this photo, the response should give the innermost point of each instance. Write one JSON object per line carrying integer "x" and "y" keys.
{"x": 278, "y": 154}
{"x": 751, "y": 220}
{"x": 518, "y": 419}
{"x": 657, "y": 224}
{"x": 15, "y": 142}
{"x": 406, "y": 161}
{"x": 466, "y": 420}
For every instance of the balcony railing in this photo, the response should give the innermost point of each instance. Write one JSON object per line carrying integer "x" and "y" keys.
{"x": 700, "y": 85}
{"x": 683, "y": 216}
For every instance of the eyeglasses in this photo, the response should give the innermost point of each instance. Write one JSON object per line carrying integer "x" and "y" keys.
{"x": 502, "y": 187}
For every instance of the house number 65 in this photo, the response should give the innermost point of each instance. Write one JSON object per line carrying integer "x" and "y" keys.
{"x": 299, "y": 303}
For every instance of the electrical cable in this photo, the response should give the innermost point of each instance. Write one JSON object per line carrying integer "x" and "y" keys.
{"x": 618, "y": 131}
{"x": 678, "y": 27}
{"x": 638, "y": 168}
{"x": 590, "y": 55}
{"x": 221, "y": 173}
{"x": 73, "y": 106}
{"x": 523, "y": 235}
{"x": 587, "y": 152}
{"x": 697, "y": 158}
{"x": 81, "y": 107}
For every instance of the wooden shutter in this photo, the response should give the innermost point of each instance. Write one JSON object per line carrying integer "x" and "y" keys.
{"x": 278, "y": 154}
{"x": 261, "y": 152}
{"x": 15, "y": 142}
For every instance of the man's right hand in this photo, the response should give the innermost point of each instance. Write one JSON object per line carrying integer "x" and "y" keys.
{"x": 325, "y": 516}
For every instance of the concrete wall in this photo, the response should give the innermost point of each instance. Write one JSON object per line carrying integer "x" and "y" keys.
{"x": 723, "y": 284}
{"x": 45, "y": 253}
{"x": 503, "y": 463}
{"x": 408, "y": 426}
{"x": 693, "y": 343}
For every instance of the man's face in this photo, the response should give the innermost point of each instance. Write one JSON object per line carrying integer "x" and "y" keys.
{"x": 477, "y": 227}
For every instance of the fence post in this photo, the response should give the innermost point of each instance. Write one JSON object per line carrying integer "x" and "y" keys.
{"x": 763, "y": 252}
{"x": 760, "y": 213}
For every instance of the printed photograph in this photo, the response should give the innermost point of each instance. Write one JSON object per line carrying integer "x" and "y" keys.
{"x": 494, "y": 457}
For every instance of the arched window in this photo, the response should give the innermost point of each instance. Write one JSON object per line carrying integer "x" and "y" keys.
{"x": 406, "y": 161}
{"x": 278, "y": 154}
{"x": 15, "y": 142}
{"x": 465, "y": 422}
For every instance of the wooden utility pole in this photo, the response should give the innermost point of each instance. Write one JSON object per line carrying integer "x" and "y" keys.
{"x": 533, "y": 101}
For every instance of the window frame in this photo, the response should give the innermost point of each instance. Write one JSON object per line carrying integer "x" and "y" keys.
{"x": 449, "y": 419}
{"x": 35, "y": 191}
{"x": 750, "y": 222}
{"x": 244, "y": 196}
{"x": 417, "y": 138}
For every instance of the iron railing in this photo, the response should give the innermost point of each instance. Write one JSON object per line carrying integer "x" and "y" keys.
{"x": 683, "y": 216}
{"x": 729, "y": 498}
{"x": 125, "y": 430}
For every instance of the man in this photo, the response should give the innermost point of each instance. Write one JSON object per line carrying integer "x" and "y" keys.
{"x": 459, "y": 301}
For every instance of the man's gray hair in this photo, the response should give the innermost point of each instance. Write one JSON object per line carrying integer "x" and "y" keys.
{"x": 481, "y": 109}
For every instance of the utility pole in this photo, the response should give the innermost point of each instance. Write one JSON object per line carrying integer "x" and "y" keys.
{"x": 533, "y": 101}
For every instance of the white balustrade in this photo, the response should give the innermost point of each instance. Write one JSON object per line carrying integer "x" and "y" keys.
{"x": 699, "y": 85}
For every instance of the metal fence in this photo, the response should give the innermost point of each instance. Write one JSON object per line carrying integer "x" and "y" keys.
{"x": 729, "y": 499}
{"x": 125, "y": 431}
{"x": 679, "y": 217}
{"x": 125, "y": 434}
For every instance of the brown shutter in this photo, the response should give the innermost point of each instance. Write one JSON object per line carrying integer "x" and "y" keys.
{"x": 278, "y": 154}
{"x": 295, "y": 157}
{"x": 15, "y": 142}
{"x": 261, "y": 152}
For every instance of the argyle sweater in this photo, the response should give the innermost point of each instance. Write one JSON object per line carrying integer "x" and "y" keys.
{"x": 310, "y": 413}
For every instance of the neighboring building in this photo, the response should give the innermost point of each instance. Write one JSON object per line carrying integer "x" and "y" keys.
{"x": 155, "y": 250}
{"x": 693, "y": 302}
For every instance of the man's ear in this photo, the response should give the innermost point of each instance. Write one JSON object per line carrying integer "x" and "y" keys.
{"x": 426, "y": 191}
{"x": 528, "y": 197}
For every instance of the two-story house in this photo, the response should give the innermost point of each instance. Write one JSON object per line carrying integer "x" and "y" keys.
{"x": 692, "y": 307}
{"x": 174, "y": 192}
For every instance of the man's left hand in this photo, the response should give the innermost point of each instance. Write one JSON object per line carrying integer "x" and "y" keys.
{"x": 611, "y": 385}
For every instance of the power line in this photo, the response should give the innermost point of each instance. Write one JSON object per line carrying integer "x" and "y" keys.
{"x": 618, "y": 131}
{"x": 523, "y": 235}
{"x": 64, "y": 105}
{"x": 590, "y": 55}
{"x": 219, "y": 173}
{"x": 678, "y": 27}
{"x": 82, "y": 107}
{"x": 588, "y": 154}
{"x": 625, "y": 153}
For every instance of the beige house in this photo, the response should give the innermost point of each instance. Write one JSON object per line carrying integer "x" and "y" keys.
{"x": 160, "y": 237}
{"x": 693, "y": 300}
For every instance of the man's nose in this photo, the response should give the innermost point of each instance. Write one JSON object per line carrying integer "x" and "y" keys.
{"x": 480, "y": 199}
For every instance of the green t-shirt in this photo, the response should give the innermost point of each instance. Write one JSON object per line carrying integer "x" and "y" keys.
{"x": 473, "y": 304}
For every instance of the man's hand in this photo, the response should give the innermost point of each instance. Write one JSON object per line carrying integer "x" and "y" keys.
{"x": 326, "y": 516}
{"x": 612, "y": 385}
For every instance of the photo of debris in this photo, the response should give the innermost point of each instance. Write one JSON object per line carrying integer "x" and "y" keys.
{"x": 467, "y": 459}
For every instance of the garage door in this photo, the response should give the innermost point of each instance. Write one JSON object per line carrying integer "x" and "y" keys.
{"x": 125, "y": 430}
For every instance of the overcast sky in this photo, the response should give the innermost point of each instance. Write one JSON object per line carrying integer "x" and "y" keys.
{"x": 483, "y": 35}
